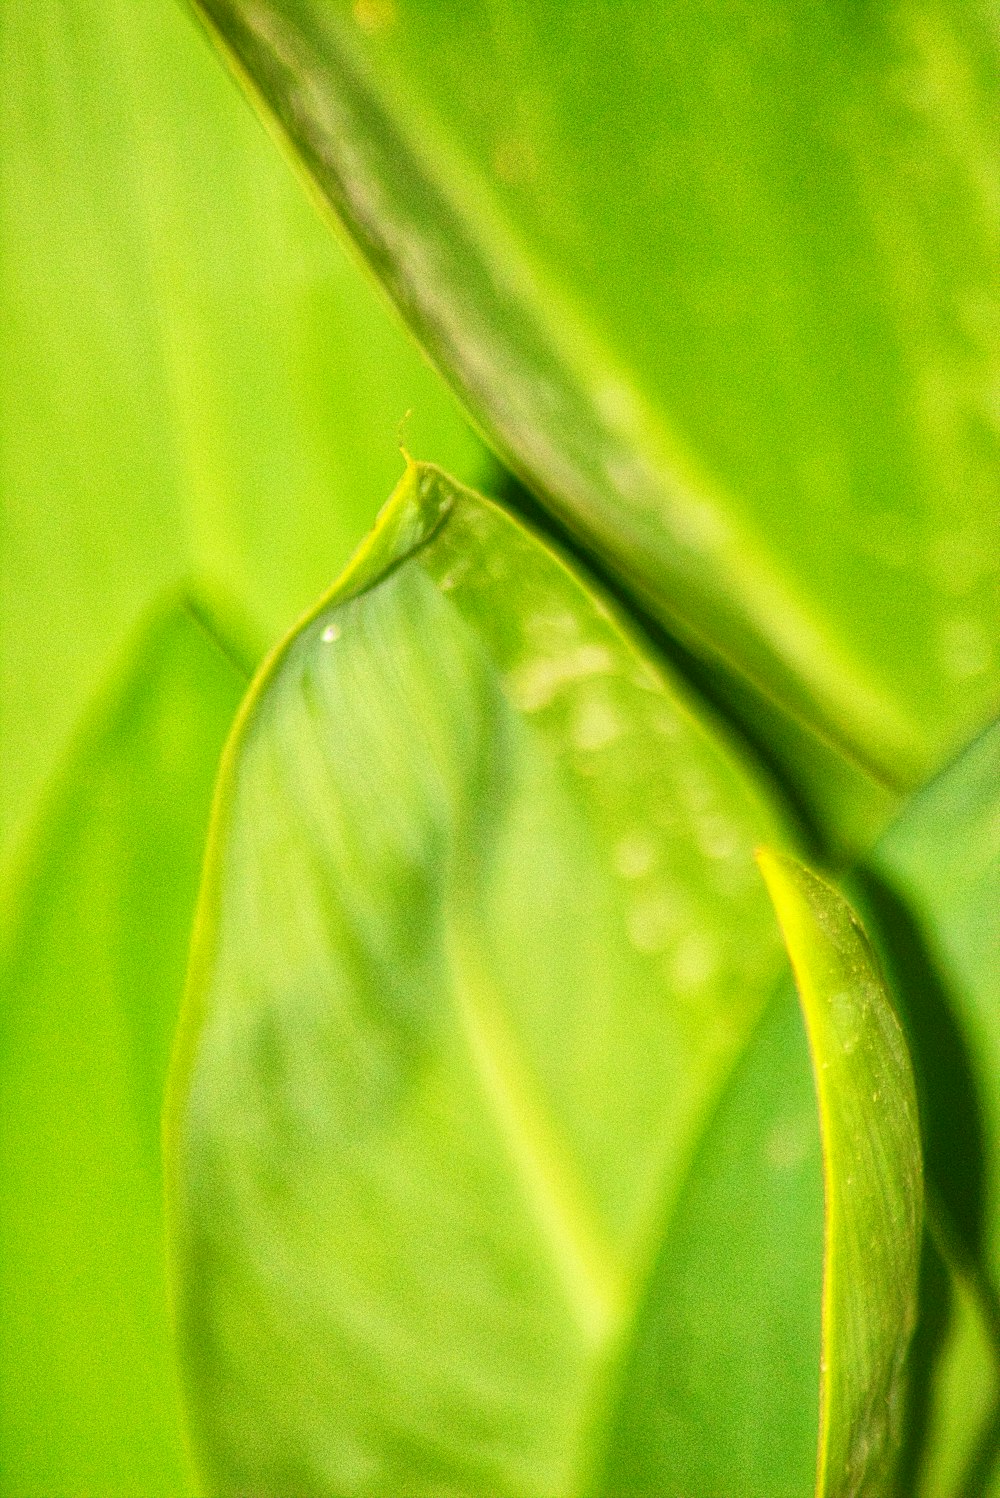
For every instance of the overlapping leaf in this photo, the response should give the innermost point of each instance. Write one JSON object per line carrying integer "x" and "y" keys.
{"x": 481, "y": 943}
{"x": 872, "y": 1178}
{"x": 467, "y": 818}
{"x": 721, "y": 283}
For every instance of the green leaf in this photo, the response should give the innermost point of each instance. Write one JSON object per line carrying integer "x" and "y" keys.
{"x": 952, "y": 1445}
{"x": 91, "y": 985}
{"x": 455, "y": 1204}
{"x": 872, "y": 1178}
{"x": 935, "y": 895}
{"x": 197, "y": 383}
{"x": 842, "y": 808}
{"x": 720, "y": 1393}
{"x": 480, "y": 945}
{"x": 720, "y": 282}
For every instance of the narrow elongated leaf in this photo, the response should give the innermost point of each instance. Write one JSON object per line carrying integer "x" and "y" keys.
{"x": 480, "y": 941}
{"x": 195, "y": 382}
{"x": 872, "y": 1179}
{"x": 90, "y": 989}
{"x": 938, "y": 899}
{"x": 721, "y": 283}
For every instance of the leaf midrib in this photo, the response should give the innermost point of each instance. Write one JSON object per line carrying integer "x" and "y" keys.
{"x": 584, "y": 1261}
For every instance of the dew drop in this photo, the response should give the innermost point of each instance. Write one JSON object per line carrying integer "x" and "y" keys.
{"x": 331, "y": 633}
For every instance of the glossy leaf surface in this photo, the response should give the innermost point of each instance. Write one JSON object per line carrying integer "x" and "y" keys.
{"x": 472, "y": 1086}
{"x": 942, "y": 857}
{"x": 480, "y": 941}
{"x": 196, "y": 383}
{"x": 91, "y": 985}
{"x": 872, "y": 1179}
{"x": 721, "y": 283}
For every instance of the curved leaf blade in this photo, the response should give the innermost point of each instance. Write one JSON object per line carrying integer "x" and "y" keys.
{"x": 873, "y": 1181}
{"x": 717, "y": 330}
{"x": 92, "y": 977}
{"x": 480, "y": 941}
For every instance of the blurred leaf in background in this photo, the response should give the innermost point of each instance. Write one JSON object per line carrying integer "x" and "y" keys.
{"x": 720, "y": 281}
{"x": 90, "y": 987}
{"x": 197, "y": 383}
